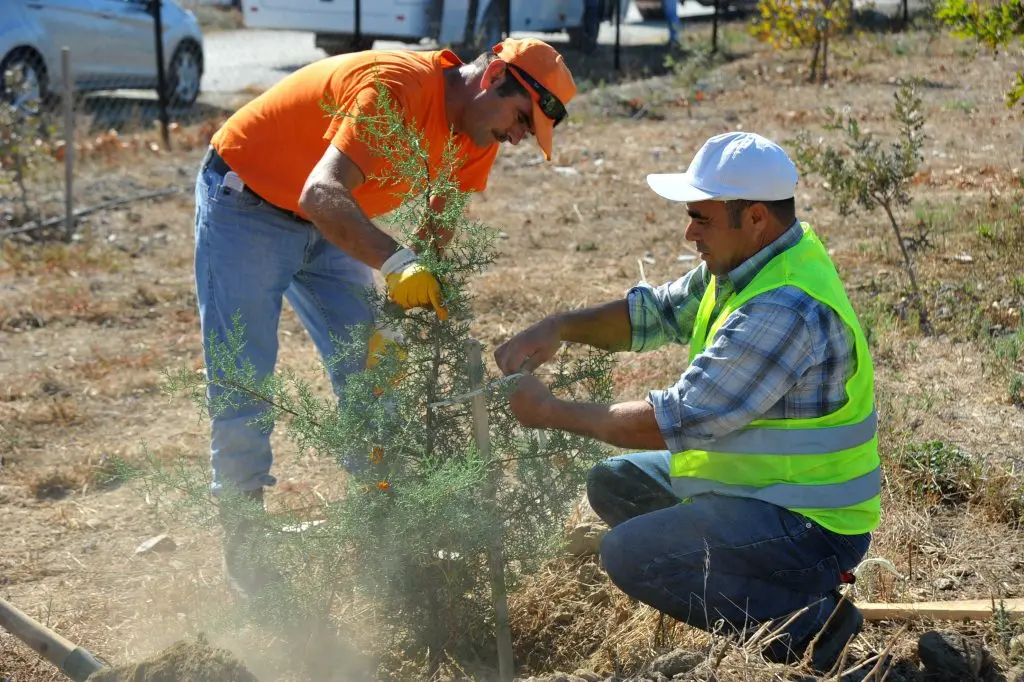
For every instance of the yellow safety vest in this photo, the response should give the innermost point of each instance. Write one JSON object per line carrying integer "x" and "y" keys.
{"x": 826, "y": 468}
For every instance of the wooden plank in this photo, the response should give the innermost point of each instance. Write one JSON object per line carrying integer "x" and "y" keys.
{"x": 964, "y": 609}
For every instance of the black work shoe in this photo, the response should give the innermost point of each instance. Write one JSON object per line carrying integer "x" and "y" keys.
{"x": 246, "y": 571}
{"x": 841, "y": 627}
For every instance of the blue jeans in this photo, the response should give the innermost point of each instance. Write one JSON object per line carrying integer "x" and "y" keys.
{"x": 671, "y": 9}
{"x": 734, "y": 559}
{"x": 249, "y": 256}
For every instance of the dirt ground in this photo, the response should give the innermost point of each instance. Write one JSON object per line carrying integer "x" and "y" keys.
{"x": 87, "y": 328}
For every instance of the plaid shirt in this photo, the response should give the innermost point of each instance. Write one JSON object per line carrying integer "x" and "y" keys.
{"x": 781, "y": 355}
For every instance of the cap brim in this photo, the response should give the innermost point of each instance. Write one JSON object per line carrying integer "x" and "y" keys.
{"x": 677, "y": 187}
{"x": 543, "y": 130}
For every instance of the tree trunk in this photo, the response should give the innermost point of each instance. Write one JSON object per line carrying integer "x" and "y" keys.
{"x": 813, "y": 75}
{"x": 922, "y": 312}
{"x": 824, "y": 57}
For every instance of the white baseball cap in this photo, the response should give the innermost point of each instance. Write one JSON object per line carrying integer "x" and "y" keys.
{"x": 731, "y": 166}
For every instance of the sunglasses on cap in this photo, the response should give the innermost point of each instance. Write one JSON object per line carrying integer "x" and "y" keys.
{"x": 549, "y": 104}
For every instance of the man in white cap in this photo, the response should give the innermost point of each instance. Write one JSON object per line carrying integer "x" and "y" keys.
{"x": 760, "y": 484}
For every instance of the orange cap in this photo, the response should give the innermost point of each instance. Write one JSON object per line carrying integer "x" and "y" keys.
{"x": 545, "y": 65}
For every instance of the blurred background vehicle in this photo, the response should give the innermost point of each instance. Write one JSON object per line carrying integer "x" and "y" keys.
{"x": 654, "y": 10}
{"x": 112, "y": 46}
{"x": 474, "y": 24}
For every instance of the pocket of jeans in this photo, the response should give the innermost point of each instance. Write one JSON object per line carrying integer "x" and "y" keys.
{"x": 818, "y": 579}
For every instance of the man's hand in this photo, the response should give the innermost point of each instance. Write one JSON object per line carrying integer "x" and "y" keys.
{"x": 381, "y": 344}
{"x": 529, "y": 349}
{"x": 531, "y": 402}
{"x": 435, "y": 235}
{"x": 411, "y": 285}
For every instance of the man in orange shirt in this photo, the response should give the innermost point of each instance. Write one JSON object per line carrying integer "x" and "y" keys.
{"x": 285, "y": 199}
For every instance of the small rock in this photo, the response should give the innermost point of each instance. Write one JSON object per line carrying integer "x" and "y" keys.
{"x": 1017, "y": 647}
{"x": 588, "y": 574}
{"x": 584, "y": 530}
{"x": 1015, "y": 674}
{"x": 960, "y": 571}
{"x": 675, "y": 662}
{"x": 584, "y": 539}
{"x": 587, "y": 675}
{"x": 904, "y": 670}
{"x": 159, "y": 543}
{"x": 944, "y": 584}
{"x": 557, "y": 677}
{"x": 952, "y": 657}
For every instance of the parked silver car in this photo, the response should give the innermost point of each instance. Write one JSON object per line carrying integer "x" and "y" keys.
{"x": 111, "y": 43}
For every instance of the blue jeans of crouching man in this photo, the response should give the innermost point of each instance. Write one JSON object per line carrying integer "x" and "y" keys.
{"x": 716, "y": 558}
{"x": 249, "y": 256}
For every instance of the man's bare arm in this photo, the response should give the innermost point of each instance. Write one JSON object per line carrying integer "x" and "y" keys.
{"x": 628, "y": 425}
{"x": 625, "y": 425}
{"x": 605, "y": 326}
{"x": 327, "y": 199}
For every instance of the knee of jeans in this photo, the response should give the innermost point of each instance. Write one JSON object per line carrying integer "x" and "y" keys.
{"x": 602, "y": 479}
{"x": 599, "y": 486}
{"x": 618, "y": 557}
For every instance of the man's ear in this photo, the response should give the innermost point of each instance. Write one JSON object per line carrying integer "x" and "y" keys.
{"x": 759, "y": 217}
{"x": 494, "y": 74}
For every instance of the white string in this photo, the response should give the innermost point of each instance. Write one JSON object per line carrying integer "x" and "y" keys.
{"x": 463, "y": 397}
{"x": 874, "y": 561}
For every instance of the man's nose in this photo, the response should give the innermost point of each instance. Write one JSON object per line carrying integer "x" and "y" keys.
{"x": 692, "y": 232}
{"x": 523, "y": 130}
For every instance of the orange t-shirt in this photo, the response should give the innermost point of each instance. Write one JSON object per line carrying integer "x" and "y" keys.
{"x": 274, "y": 141}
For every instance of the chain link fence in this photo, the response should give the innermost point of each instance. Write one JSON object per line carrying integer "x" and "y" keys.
{"x": 90, "y": 96}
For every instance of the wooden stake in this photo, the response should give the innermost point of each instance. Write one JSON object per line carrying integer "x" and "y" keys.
{"x": 499, "y": 593}
{"x": 963, "y": 609}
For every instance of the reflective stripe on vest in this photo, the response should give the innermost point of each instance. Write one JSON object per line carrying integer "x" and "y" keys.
{"x": 790, "y": 495}
{"x": 818, "y": 441}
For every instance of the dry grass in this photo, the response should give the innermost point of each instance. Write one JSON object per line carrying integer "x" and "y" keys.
{"x": 86, "y": 328}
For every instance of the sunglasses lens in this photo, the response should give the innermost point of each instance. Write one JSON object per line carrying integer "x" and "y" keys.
{"x": 549, "y": 104}
{"x": 552, "y": 108}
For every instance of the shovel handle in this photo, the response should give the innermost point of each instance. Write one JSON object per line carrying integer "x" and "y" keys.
{"x": 73, "y": 661}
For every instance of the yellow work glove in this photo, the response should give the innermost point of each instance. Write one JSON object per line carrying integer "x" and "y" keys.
{"x": 379, "y": 345}
{"x": 411, "y": 285}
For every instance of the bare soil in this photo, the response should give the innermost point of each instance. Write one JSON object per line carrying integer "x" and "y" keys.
{"x": 196, "y": 661}
{"x": 87, "y": 329}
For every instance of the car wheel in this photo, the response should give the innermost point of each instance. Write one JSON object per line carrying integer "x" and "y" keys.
{"x": 343, "y": 44}
{"x": 650, "y": 11}
{"x": 185, "y": 75}
{"x": 23, "y": 81}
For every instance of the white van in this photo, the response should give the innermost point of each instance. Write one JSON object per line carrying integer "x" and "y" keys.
{"x": 459, "y": 23}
